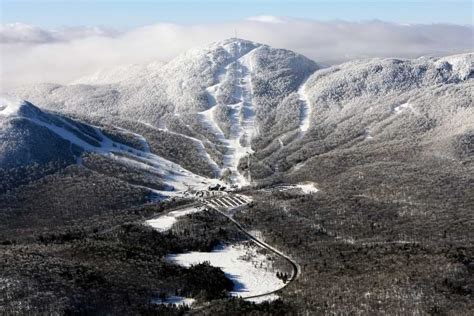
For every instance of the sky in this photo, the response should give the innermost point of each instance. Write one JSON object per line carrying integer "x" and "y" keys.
{"x": 61, "y": 41}
{"x": 124, "y": 14}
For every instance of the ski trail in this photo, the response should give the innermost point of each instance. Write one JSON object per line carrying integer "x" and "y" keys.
{"x": 237, "y": 74}
{"x": 141, "y": 139}
{"x": 198, "y": 142}
{"x": 202, "y": 148}
{"x": 306, "y": 110}
{"x": 178, "y": 178}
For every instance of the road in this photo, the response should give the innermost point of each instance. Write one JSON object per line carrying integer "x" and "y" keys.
{"x": 225, "y": 205}
{"x": 295, "y": 266}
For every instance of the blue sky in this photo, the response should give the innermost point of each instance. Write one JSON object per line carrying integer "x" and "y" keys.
{"x": 127, "y": 13}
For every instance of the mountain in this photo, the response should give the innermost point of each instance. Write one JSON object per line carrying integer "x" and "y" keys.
{"x": 238, "y": 102}
{"x": 33, "y": 136}
{"x": 352, "y": 173}
{"x": 29, "y": 135}
{"x": 226, "y": 95}
{"x": 423, "y": 105}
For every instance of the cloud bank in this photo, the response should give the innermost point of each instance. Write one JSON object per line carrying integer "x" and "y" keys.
{"x": 30, "y": 54}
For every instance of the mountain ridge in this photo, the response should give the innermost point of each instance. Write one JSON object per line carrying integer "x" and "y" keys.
{"x": 254, "y": 110}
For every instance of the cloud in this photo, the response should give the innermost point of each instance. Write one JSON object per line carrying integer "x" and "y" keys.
{"x": 266, "y": 19}
{"x": 30, "y": 54}
{"x": 25, "y": 33}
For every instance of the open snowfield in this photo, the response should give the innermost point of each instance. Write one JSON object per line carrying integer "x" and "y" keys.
{"x": 307, "y": 187}
{"x": 165, "y": 222}
{"x": 250, "y": 271}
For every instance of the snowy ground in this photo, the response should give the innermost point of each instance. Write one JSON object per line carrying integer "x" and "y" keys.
{"x": 304, "y": 187}
{"x": 166, "y": 221}
{"x": 266, "y": 298}
{"x": 307, "y": 187}
{"x": 403, "y": 108}
{"x": 175, "y": 300}
{"x": 250, "y": 271}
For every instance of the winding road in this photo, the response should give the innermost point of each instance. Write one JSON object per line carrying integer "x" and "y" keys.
{"x": 295, "y": 266}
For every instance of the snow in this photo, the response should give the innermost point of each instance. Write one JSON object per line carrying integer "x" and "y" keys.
{"x": 173, "y": 174}
{"x": 210, "y": 122}
{"x": 250, "y": 271}
{"x": 165, "y": 222}
{"x": 266, "y": 298}
{"x": 237, "y": 73}
{"x": 200, "y": 144}
{"x": 299, "y": 165}
{"x": 368, "y": 134}
{"x": 462, "y": 64}
{"x": 403, "y": 107}
{"x": 10, "y": 106}
{"x": 175, "y": 300}
{"x": 281, "y": 142}
{"x": 307, "y": 187}
{"x": 305, "y": 108}
{"x": 141, "y": 139}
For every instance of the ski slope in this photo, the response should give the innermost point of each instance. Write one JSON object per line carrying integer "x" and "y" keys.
{"x": 165, "y": 222}
{"x": 172, "y": 174}
{"x": 237, "y": 74}
{"x": 305, "y": 117}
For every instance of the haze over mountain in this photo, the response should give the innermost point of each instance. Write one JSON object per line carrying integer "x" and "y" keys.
{"x": 69, "y": 53}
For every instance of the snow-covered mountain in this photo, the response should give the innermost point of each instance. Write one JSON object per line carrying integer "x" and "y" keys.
{"x": 29, "y": 135}
{"x": 237, "y": 102}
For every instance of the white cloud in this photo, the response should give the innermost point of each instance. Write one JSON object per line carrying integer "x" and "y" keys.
{"x": 25, "y": 33}
{"x": 266, "y": 19}
{"x": 31, "y": 54}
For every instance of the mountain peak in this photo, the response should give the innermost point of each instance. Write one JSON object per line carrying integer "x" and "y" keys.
{"x": 237, "y": 40}
{"x": 234, "y": 46}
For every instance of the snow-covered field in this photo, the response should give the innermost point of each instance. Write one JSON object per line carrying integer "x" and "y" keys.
{"x": 307, "y": 187}
{"x": 250, "y": 271}
{"x": 166, "y": 221}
